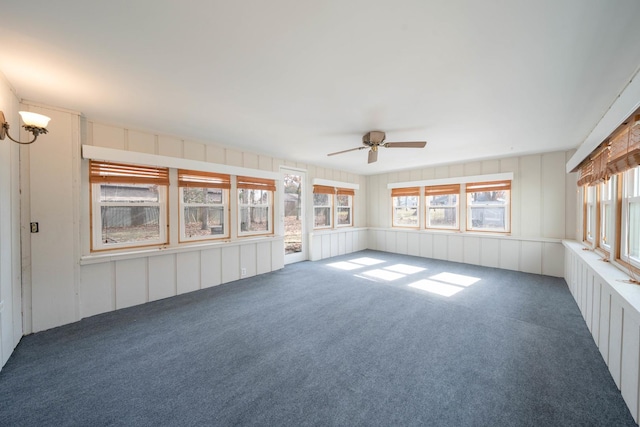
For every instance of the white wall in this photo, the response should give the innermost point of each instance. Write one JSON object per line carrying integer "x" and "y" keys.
{"x": 541, "y": 215}
{"x": 10, "y": 274}
{"x": 69, "y": 283}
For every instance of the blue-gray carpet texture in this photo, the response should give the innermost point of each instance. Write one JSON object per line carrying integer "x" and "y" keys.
{"x": 335, "y": 342}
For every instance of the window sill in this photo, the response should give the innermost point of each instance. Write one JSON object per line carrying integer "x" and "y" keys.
{"x": 610, "y": 273}
{"x": 114, "y": 255}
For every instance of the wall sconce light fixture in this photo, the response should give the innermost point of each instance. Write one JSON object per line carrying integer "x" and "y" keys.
{"x": 33, "y": 122}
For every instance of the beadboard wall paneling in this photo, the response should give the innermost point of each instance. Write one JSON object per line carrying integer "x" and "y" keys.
{"x": 611, "y": 310}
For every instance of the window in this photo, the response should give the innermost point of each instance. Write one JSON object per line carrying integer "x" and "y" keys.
{"x": 128, "y": 206}
{"x": 204, "y": 207}
{"x": 606, "y": 214}
{"x": 590, "y": 214}
{"x": 630, "y": 240}
{"x": 406, "y": 202}
{"x": 322, "y": 206}
{"x": 344, "y": 203}
{"x": 488, "y": 206}
{"x": 442, "y": 206}
{"x": 255, "y": 205}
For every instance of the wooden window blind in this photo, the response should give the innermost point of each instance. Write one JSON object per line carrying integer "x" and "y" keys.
{"x": 323, "y": 189}
{"x": 625, "y": 148}
{"x": 407, "y": 191}
{"x": 345, "y": 192}
{"x": 256, "y": 183}
{"x": 476, "y": 187}
{"x": 586, "y": 173}
{"x": 190, "y": 178}
{"x": 439, "y": 190}
{"x": 107, "y": 172}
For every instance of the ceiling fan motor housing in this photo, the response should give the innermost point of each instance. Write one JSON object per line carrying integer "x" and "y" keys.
{"x": 375, "y": 137}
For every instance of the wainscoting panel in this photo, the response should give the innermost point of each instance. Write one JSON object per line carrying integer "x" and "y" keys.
{"x": 531, "y": 257}
{"x": 455, "y": 248}
{"x": 230, "y": 263}
{"x": 490, "y": 252}
{"x": 111, "y": 283}
{"x": 248, "y": 260}
{"x": 263, "y": 257}
{"x": 440, "y": 246}
{"x": 188, "y": 272}
{"x": 210, "y": 267}
{"x": 97, "y": 291}
{"x": 162, "y": 277}
{"x": 527, "y": 255}
{"x": 131, "y": 282}
{"x": 328, "y": 243}
{"x": 615, "y": 339}
{"x": 510, "y": 254}
{"x": 611, "y": 309}
{"x": 629, "y": 363}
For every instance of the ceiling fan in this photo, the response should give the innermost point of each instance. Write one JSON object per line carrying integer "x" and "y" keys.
{"x": 375, "y": 139}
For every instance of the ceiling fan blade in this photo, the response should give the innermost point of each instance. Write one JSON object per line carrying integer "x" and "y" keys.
{"x": 373, "y": 156}
{"x": 407, "y": 144}
{"x": 345, "y": 151}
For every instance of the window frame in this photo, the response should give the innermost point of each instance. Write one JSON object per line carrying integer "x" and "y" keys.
{"x": 330, "y": 192}
{"x": 628, "y": 186}
{"x": 110, "y": 174}
{"x": 344, "y": 192}
{"x": 405, "y": 192}
{"x": 606, "y": 224}
{"x": 267, "y": 186}
{"x": 590, "y": 215}
{"x": 433, "y": 191}
{"x": 484, "y": 187}
{"x": 203, "y": 180}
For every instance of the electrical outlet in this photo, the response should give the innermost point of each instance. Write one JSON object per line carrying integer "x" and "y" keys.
{"x": 243, "y": 272}
{"x": 34, "y": 227}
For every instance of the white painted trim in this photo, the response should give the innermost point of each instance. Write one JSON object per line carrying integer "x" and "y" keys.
{"x": 331, "y": 183}
{"x": 454, "y": 180}
{"x": 113, "y": 155}
{"x": 625, "y": 104}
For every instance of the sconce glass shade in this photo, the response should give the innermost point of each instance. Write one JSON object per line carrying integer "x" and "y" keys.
{"x": 34, "y": 119}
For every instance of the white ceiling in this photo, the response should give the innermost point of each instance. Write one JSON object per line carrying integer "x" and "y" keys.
{"x": 300, "y": 79}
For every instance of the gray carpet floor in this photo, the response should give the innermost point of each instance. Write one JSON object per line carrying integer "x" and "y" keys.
{"x": 341, "y": 341}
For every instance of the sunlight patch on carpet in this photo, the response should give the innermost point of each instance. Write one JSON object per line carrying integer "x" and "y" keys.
{"x": 455, "y": 279}
{"x": 434, "y": 287}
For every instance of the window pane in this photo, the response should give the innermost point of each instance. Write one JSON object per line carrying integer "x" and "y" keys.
{"x": 321, "y": 199}
{"x": 343, "y": 200}
{"x": 253, "y": 218}
{"x": 443, "y": 217}
{"x": 405, "y": 216}
{"x": 344, "y": 216}
{"x": 405, "y": 201}
{"x": 445, "y": 200}
{"x": 489, "y": 198}
{"x": 253, "y": 197}
{"x": 606, "y": 224}
{"x": 202, "y": 195}
{"x": 203, "y": 221}
{"x": 634, "y": 231}
{"x": 321, "y": 217}
{"x": 128, "y": 224}
{"x": 492, "y": 217}
{"x": 129, "y": 193}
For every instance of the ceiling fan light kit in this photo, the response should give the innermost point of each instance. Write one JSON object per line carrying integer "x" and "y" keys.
{"x": 375, "y": 139}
